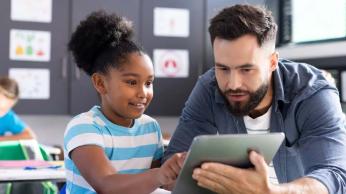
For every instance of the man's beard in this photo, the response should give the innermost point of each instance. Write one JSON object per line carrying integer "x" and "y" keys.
{"x": 239, "y": 109}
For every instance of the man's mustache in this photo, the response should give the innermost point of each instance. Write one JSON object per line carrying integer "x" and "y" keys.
{"x": 236, "y": 92}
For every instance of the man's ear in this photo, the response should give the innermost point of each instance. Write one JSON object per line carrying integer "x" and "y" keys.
{"x": 274, "y": 60}
{"x": 98, "y": 81}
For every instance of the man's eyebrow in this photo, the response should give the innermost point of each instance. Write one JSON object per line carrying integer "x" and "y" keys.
{"x": 246, "y": 65}
{"x": 239, "y": 66}
{"x": 220, "y": 65}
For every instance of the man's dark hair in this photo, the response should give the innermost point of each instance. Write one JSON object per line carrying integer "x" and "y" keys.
{"x": 238, "y": 20}
{"x": 102, "y": 41}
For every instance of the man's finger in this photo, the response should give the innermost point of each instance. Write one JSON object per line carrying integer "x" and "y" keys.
{"x": 223, "y": 169}
{"x": 210, "y": 184}
{"x": 214, "y": 177}
{"x": 258, "y": 161}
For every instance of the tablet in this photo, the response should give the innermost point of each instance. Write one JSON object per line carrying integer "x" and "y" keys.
{"x": 228, "y": 149}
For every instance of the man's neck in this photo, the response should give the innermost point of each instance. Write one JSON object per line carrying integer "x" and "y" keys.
{"x": 259, "y": 112}
{"x": 265, "y": 104}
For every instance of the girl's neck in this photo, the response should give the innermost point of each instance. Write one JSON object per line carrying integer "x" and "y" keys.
{"x": 115, "y": 118}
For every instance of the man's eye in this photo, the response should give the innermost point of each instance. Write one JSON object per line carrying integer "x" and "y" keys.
{"x": 246, "y": 70}
{"x": 223, "y": 68}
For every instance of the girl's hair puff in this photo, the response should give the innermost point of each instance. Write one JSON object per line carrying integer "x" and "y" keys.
{"x": 101, "y": 41}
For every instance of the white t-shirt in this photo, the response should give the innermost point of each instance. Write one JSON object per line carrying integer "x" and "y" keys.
{"x": 261, "y": 125}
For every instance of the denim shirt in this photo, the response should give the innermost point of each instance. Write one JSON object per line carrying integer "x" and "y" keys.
{"x": 305, "y": 107}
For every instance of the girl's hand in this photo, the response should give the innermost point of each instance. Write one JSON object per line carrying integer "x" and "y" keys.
{"x": 169, "y": 171}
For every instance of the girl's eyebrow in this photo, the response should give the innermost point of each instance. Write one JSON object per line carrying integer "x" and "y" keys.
{"x": 134, "y": 75}
{"x": 130, "y": 74}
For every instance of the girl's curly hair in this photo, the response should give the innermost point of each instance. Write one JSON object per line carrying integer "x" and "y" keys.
{"x": 102, "y": 41}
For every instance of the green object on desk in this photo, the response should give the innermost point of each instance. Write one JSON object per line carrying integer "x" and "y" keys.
{"x": 12, "y": 150}
{"x": 25, "y": 150}
{"x": 15, "y": 150}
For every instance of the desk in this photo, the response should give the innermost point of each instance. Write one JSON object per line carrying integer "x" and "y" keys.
{"x": 14, "y": 171}
{"x": 45, "y": 174}
{"x": 17, "y": 175}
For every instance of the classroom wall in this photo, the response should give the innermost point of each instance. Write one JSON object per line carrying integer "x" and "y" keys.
{"x": 70, "y": 90}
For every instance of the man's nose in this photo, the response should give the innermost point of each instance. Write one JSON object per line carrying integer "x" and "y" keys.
{"x": 234, "y": 81}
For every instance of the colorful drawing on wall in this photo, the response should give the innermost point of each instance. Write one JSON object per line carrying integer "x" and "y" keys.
{"x": 31, "y": 10}
{"x": 171, "y": 63}
{"x": 171, "y": 22}
{"x": 29, "y": 45}
{"x": 33, "y": 83}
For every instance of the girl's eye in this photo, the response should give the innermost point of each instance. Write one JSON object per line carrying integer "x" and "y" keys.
{"x": 131, "y": 82}
{"x": 149, "y": 83}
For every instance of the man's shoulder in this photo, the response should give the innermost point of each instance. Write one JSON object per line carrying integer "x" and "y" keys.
{"x": 208, "y": 78}
{"x": 292, "y": 67}
{"x": 298, "y": 79}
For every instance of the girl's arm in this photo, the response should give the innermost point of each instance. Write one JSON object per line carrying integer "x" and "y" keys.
{"x": 101, "y": 175}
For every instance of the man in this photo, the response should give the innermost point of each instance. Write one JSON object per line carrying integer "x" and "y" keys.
{"x": 251, "y": 91}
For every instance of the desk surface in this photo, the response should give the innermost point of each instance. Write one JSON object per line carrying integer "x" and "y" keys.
{"x": 14, "y": 175}
{"x": 31, "y": 170}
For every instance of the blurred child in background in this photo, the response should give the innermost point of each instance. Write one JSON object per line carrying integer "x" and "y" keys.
{"x": 11, "y": 126}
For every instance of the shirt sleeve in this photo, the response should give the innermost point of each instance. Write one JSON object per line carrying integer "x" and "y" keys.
{"x": 196, "y": 119}
{"x": 82, "y": 131}
{"x": 15, "y": 124}
{"x": 159, "y": 151}
{"x": 322, "y": 143}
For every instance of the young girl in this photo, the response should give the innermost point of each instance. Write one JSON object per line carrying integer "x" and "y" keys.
{"x": 11, "y": 126}
{"x": 114, "y": 147}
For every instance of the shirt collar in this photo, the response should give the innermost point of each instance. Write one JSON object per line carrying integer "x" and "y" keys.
{"x": 279, "y": 93}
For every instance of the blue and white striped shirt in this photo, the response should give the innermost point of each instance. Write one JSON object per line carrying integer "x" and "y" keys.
{"x": 130, "y": 150}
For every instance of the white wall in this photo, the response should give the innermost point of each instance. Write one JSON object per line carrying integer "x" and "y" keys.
{"x": 313, "y": 50}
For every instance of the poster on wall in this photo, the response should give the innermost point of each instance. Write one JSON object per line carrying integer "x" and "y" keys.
{"x": 171, "y": 63}
{"x": 31, "y": 10}
{"x": 171, "y": 22}
{"x": 30, "y": 45}
{"x": 33, "y": 83}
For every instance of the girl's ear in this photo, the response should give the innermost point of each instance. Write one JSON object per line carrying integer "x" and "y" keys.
{"x": 98, "y": 81}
